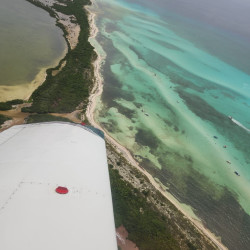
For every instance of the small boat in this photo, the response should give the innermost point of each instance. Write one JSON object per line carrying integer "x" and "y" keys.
{"x": 225, "y": 146}
{"x": 229, "y": 162}
{"x": 236, "y": 173}
{"x": 146, "y": 114}
{"x": 215, "y": 137}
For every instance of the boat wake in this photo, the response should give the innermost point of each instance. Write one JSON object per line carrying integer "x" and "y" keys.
{"x": 240, "y": 125}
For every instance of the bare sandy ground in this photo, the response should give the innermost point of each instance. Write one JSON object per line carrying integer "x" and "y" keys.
{"x": 73, "y": 29}
{"x": 17, "y": 116}
{"x": 22, "y": 91}
{"x": 75, "y": 116}
{"x": 96, "y": 92}
{"x": 122, "y": 241}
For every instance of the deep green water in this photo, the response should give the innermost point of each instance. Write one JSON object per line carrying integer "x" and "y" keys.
{"x": 29, "y": 42}
{"x": 172, "y": 76}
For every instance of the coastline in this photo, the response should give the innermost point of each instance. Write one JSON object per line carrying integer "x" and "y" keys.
{"x": 24, "y": 91}
{"x": 95, "y": 94}
{"x": 71, "y": 30}
{"x": 25, "y": 88}
{"x": 93, "y": 98}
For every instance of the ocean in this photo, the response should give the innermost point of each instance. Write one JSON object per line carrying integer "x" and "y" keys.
{"x": 177, "y": 95}
{"x": 30, "y": 42}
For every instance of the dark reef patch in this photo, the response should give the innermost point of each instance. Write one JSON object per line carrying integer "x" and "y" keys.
{"x": 209, "y": 201}
{"x": 146, "y": 137}
{"x": 233, "y": 226}
{"x": 184, "y": 83}
{"x": 138, "y": 105}
{"x": 167, "y": 45}
{"x": 129, "y": 113}
{"x": 225, "y": 126}
{"x": 113, "y": 87}
{"x": 111, "y": 126}
{"x": 148, "y": 97}
{"x": 110, "y": 27}
{"x": 168, "y": 123}
{"x": 228, "y": 95}
{"x": 176, "y": 129}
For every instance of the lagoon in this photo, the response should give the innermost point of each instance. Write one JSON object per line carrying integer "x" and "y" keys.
{"x": 30, "y": 42}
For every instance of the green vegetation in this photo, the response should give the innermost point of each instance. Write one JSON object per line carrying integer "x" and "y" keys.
{"x": 3, "y": 118}
{"x": 66, "y": 90}
{"x": 8, "y": 105}
{"x": 151, "y": 220}
{"x": 45, "y": 118}
{"x": 5, "y": 106}
{"x": 146, "y": 227}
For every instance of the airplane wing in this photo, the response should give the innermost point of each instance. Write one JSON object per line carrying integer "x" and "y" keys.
{"x": 54, "y": 189}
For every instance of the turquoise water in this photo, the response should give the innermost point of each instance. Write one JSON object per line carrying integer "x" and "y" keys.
{"x": 171, "y": 79}
{"x": 29, "y": 42}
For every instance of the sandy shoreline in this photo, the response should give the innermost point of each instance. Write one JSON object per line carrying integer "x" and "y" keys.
{"x": 96, "y": 92}
{"x": 24, "y": 91}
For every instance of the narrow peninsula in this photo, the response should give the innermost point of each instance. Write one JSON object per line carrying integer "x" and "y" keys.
{"x": 144, "y": 217}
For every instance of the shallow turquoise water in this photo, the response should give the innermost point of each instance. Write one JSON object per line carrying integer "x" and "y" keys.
{"x": 167, "y": 94}
{"x": 29, "y": 42}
